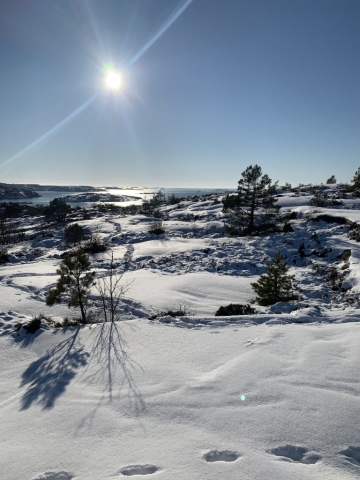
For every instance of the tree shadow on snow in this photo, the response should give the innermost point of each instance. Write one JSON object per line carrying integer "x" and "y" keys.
{"x": 113, "y": 366}
{"x": 46, "y": 379}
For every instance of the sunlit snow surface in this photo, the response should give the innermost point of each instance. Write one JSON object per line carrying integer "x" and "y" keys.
{"x": 269, "y": 396}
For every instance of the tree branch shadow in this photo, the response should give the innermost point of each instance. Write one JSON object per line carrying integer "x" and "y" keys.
{"x": 47, "y": 378}
{"x": 114, "y": 367}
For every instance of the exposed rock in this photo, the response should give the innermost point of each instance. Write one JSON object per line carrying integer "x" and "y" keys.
{"x": 332, "y": 219}
{"x": 345, "y": 255}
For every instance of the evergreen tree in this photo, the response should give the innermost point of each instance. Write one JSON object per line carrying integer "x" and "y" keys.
{"x": 156, "y": 201}
{"x": 255, "y": 194}
{"x": 276, "y": 285}
{"x": 331, "y": 180}
{"x": 76, "y": 279}
{"x": 356, "y": 179}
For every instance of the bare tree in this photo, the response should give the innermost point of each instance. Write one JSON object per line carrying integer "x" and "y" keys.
{"x": 111, "y": 292}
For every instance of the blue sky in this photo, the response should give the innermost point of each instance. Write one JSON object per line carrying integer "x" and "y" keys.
{"x": 230, "y": 83}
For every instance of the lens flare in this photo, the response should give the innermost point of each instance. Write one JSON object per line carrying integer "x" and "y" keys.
{"x": 50, "y": 132}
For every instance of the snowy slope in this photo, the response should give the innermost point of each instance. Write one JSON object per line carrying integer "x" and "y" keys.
{"x": 94, "y": 401}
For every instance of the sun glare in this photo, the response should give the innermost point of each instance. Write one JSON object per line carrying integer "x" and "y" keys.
{"x": 113, "y": 80}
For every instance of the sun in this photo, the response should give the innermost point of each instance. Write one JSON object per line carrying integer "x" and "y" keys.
{"x": 113, "y": 80}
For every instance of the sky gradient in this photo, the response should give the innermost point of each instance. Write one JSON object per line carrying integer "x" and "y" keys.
{"x": 229, "y": 83}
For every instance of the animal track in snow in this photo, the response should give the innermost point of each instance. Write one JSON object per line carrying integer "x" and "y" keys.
{"x": 131, "y": 470}
{"x": 352, "y": 454}
{"x": 55, "y": 476}
{"x": 221, "y": 456}
{"x": 296, "y": 454}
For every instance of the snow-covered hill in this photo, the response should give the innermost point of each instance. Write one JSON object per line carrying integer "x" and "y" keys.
{"x": 274, "y": 395}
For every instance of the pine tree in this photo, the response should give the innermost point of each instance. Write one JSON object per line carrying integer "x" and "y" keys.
{"x": 331, "y": 180}
{"x": 255, "y": 193}
{"x": 76, "y": 279}
{"x": 276, "y": 285}
{"x": 356, "y": 179}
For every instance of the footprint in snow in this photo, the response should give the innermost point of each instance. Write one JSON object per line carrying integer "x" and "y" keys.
{"x": 131, "y": 470}
{"x": 221, "y": 456}
{"x": 352, "y": 455}
{"x": 55, "y": 476}
{"x": 296, "y": 454}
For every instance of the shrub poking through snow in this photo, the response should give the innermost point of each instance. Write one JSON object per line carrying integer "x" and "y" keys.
{"x": 94, "y": 245}
{"x": 74, "y": 233}
{"x": 276, "y": 285}
{"x": 235, "y": 309}
{"x": 182, "y": 312}
{"x": 157, "y": 226}
{"x": 33, "y": 326}
{"x": 75, "y": 280}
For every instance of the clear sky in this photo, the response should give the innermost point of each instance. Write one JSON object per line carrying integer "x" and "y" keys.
{"x": 228, "y": 84}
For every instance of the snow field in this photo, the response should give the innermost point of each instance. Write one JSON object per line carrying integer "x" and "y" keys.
{"x": 274, "y": 395}
{"x": 170, "y": 398}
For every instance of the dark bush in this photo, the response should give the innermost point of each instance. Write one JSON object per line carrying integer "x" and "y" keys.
{"x": 109, "y": 208}
{"x": 291, "y": 216}
{"x": 33, "y": 326}
{"x": 74, "y": 233}
{"x": 95, "y": 245}
{"x": 57, "y": 211}
{"x": 235, "y": 309}
{"x": 157, "y": 226}
{"x": 4, "y": 256}
{"x": 12, "y": 209}
{"x": 322, "y": 199}
{"x": 287, "y": 228}
{"x": 173, "y": 200}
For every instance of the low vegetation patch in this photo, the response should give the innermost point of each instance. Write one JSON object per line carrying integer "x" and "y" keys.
{"x": 157, "y": 226}
{"x": 182, "y": 312}
{"x": 94, "y": 245}
{"x": 235, "y": 309}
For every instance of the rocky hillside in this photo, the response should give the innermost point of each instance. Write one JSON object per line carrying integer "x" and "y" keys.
{"x": 11, "y": 192}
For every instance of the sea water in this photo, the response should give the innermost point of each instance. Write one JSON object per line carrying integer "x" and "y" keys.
{"x": 140, "y": 194}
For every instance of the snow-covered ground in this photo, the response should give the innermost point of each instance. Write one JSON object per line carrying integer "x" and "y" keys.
{"x": 274, "y": 395}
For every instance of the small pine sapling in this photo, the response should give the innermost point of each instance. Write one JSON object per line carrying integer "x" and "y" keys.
{"x": 75, "y": 279}
{"x": 276, "y": 285}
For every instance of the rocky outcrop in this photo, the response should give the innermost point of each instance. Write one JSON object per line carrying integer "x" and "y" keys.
{"x": 98, "y": 197}
{"x": 11, "y": 192}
